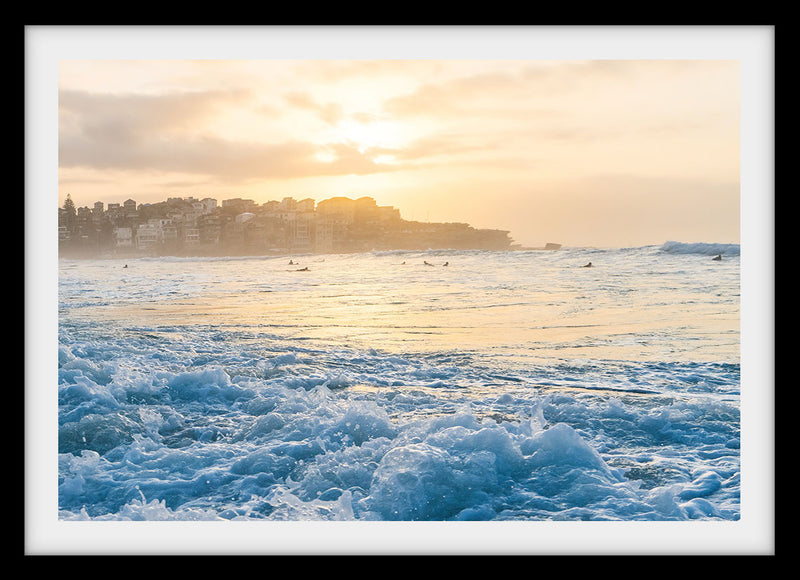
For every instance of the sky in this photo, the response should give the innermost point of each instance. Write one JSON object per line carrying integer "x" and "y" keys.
{"x": 589, "y": 152}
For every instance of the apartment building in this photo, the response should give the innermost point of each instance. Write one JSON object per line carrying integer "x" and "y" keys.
{"x": 149, "y": 235}
{"x": 200, "y": 227}
{"x": 123, "y": 238}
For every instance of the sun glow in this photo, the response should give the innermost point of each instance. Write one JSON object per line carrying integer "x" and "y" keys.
{"x": 325, "y": 156}
{"x": 540, "y": 150}
{"x": 369, "y": 135}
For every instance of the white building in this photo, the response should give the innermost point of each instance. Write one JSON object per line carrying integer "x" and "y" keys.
{"x": 191, "y": 236}
{"x": 148, "y": 235}
{"x": 123, "y": 238}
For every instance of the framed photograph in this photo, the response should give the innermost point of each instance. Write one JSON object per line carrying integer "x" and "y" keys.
{"x": 399, "y": 290}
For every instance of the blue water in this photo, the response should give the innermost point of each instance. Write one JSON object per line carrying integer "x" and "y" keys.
{"x": 372, "y": 387}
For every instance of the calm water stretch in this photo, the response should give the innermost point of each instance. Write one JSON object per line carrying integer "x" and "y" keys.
{"x": 501, "y": 386}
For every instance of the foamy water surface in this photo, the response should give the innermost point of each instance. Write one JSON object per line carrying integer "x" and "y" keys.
{"x": 503, "y": 386}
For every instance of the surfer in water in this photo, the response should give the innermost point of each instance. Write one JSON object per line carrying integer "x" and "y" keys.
{"x": 446, "y": 264}
{"x": 589, "y": 265}
{"x": 427, "y": 263}
{"x": 717, "y": 258}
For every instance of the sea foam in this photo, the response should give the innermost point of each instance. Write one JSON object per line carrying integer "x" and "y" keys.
{"x": 507, "y": 386}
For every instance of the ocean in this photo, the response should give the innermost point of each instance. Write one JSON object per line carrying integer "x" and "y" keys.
{"x": 437, "y": 386}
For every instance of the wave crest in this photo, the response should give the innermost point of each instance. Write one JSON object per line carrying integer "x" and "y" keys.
{"x": 706, "y": 249}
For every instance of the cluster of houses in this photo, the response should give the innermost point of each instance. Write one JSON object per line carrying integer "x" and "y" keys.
{"x": 191, "y": 226}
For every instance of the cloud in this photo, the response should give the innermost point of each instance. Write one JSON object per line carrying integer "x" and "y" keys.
{"x": 123, "y": 115}
{"x": 331, "y": 113}
{"x": 436, "y": 146}
{"x": 513, "y": 116}
{"x": 228, "y": 161}
{"x": 485, "y": 93}
{"x": 164, "y": 134}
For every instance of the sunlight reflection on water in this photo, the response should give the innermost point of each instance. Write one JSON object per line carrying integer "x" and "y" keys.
{"x": 535, "y": 304}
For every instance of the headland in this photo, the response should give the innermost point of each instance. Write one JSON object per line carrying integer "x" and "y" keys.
{"x": 188, "y": 226}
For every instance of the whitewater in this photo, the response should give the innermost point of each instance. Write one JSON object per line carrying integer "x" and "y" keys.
{"x": 444, "y": 386}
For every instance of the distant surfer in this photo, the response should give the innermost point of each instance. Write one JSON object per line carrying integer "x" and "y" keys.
{"x": 291, "y": 262}
{"x": 589, "y": 265}
{"x": 302, "y": 269}
{"x": 427, "y": 264}
{"x": 718, "y": 258}
{"x": 446, "y": 264}
{"x": 125, "y": 266}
